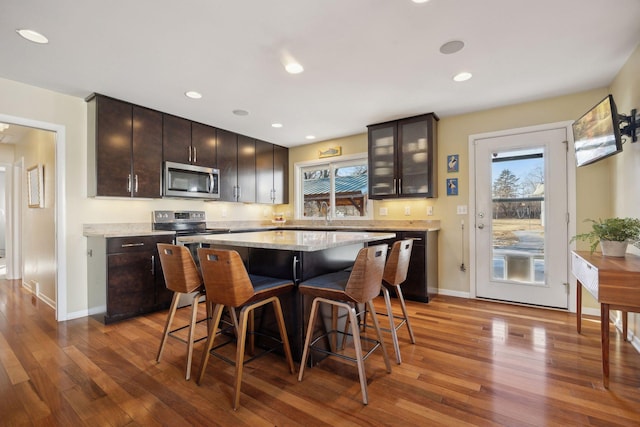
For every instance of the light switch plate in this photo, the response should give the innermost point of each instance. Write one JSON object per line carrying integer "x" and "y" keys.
{"x": 462, "y": 209}
{"x": 407, "y": 210}
{"x": 429, "y": 210}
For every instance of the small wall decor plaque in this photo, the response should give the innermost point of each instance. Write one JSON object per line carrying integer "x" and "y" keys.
{"x": 452, "y": 163}
{"x": 330, "y": 152}
{"x": 35, "y": 187}
{"x": 452, "y": 186}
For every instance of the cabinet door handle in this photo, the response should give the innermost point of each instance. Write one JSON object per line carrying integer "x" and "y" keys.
{"x": 239, "y": 195}
{"x": 399, "y": 185}
{"x": 395, "y": 185}
{"x": 295, "y": 269}
{"x": 129, "y": 183}
{"x": 195, "y": 154}
{"x": 131, "y": 245}
{"x": 153, "y": 265}
{"x": 135, "y": 186}
{"x": 189, "y": 148}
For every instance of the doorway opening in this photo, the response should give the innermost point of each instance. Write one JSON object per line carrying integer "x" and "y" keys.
{"x": 56, "y": 264}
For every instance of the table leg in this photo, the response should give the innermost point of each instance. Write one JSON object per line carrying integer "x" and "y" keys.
{"x": 579, "y": 307}
{"x": 625, "y": 325}
{"x": 604, "y": 330}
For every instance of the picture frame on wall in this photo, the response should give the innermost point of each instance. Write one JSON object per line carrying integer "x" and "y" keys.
{"x": 452, "y": 186}
{"x": 35, "y": 186}
{"x": 452, "y": 163}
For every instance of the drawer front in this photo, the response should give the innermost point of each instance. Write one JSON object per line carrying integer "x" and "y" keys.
{"x": 586, "y": 273}
{"x": 136, "y": 243}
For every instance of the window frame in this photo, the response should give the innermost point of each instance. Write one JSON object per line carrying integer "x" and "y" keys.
{"x": 331, "y": 163}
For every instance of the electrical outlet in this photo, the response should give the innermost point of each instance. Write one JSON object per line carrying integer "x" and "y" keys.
{"x": 407, "y": 210}
{"x": 383, "y": 212}
{"x": 462, "y": 209}
{"x": 429, "y": 210}
{"x": 224, "y": 212}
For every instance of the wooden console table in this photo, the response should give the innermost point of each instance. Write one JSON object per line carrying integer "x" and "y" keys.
{"x": 615, "y": 284}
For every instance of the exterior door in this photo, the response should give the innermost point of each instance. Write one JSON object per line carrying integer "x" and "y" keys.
{"x": 521, "y": 218}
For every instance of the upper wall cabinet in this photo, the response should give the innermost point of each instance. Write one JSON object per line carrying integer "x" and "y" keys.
{"x": 124, "y": 149}
{"x": 272, "y": 167}
{"x": 237, "y": 164}
{"x": 188, "y": 142}
{"x": 402, "y": 158}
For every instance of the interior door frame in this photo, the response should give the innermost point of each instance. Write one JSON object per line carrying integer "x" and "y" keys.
{"x": 60, "y": 206}
{"x": 571, "y": 195}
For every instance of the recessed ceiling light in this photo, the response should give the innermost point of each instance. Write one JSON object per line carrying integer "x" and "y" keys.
{"x": 193, "y": 94}
{"x": 293, "y": 68}
{"x": 451, "y": 47}
{"x": 420, "y": 1}
{"x": 276, "y": 125}
{"x": 33, "y": 36}
{"x": 462, "y": 77}
{"x": 240, "y": 112}
{"x": 310, "y": 137}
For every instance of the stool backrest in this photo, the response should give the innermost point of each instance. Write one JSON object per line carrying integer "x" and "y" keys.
{"x": 179, "y": 269}
{"x": 366, "y": 275}
{"x": 225, "y": 277}
{"x": 395, "y": 271}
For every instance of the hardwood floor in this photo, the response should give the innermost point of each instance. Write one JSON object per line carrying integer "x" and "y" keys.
{"x": 474, "y": 363}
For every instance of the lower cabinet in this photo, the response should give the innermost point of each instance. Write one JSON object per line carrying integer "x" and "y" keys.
{"x": 422, "y": 277}
{"x": 125, "y": 277}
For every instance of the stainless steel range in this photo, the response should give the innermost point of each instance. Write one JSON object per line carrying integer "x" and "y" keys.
{"x": 184, "y": 223}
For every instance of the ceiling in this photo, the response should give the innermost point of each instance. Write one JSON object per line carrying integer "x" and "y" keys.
{"x": 365, "y": 61}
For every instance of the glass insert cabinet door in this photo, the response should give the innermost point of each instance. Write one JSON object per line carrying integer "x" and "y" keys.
{"x": 402, "y": 157}
{"x": 382, "y": 154}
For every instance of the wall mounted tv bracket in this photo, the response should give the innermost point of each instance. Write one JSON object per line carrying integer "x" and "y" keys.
{"x": 632, "y": 124}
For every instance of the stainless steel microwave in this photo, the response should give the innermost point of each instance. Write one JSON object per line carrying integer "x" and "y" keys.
{"x": 182, "y": 180}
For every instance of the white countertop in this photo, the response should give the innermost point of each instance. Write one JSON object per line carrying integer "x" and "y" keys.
{"x": 292, "y": 240}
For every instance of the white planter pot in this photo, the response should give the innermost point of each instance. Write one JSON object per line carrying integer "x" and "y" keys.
{"x": 613, "y": 249}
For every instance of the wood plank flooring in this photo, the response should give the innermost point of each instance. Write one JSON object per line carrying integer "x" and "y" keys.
{"x": 474, "y": 363}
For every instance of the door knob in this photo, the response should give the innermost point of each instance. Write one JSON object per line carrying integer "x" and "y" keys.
{"x": 480, "y": 226}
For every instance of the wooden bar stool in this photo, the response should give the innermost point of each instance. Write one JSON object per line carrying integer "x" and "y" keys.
{"x": 344, "y": 290}
{"x": 182, "y": 277}
{"x": 228, "y": 285}
{"x": 395, "y": 273}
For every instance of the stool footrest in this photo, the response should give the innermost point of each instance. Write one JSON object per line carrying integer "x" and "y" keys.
{"x": 264, "y": 351}
{"x": 343, "y": 356}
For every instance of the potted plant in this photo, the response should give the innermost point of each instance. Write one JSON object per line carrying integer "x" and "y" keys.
{"x": 613, "y": 234}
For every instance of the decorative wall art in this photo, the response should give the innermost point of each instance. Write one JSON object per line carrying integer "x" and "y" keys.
{"x": 452, "y": 186}
{"x": 35, "y": 186}
{"x": 330, "y": 152}
{"x": 452, "y": 163}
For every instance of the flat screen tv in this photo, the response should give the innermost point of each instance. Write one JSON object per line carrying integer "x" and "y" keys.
{"x": 596, "y": 134}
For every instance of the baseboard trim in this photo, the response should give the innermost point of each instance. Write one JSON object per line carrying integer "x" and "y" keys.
{"x": 34, "y": 289}
{"x": 450, "y": 293}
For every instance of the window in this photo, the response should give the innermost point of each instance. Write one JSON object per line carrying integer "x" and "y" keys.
{"x": 333, "y": 189}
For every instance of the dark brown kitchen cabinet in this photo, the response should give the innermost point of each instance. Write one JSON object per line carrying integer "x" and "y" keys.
{"x": 237, "y": 164}
{"x": 228, "y": 164}
{"x": 422, "y": 277}
{"x": 402, "y": 158}
{"x": 125, "y": 277}
{"x": 272, "y": 163}
{"x": 124, "y": 149}
{"x": 184, "y": 141}
{"x": 203, "y": 144}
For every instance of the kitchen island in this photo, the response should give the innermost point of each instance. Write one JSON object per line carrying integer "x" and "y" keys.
{"x": 295, "y": 255}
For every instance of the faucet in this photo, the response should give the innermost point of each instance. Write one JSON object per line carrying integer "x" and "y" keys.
{"x": 327, "y": 211}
